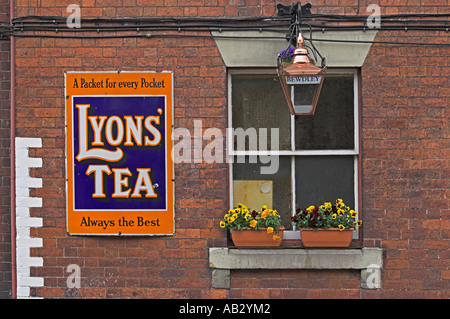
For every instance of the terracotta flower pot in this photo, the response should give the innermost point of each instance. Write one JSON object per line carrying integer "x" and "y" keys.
{"x": 256, "y": 238}
{"x": 331, "y": 237}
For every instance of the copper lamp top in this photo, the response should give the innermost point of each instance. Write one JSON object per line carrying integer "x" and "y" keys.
{"x": 300, "y": 53}
{"x": 301, "y": 64}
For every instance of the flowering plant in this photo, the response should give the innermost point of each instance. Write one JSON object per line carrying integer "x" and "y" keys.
{"x": 286, "y": 55}
{"x": 241, "y": 218}
{"x": 285, "y": 58}
{"x": 326, "y": 216}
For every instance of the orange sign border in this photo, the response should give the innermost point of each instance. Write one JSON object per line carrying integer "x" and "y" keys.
{"x": 166, "y": 218}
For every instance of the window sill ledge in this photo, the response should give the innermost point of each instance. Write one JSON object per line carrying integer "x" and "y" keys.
{"x": 368, "y": 260}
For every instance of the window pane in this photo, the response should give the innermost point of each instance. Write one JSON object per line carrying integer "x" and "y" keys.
{"x": 279, "y": 185}
{"x": 322, "y": 179}
{"x": 332, "y": 125}
{"x": 258, "y": 102}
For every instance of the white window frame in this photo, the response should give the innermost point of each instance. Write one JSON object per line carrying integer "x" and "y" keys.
{"x": 294, "y": 234}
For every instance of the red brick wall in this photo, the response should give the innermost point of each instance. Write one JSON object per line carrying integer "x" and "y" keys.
{"x": 405, "y": 161}
{"x": 125, "y": 267}
{"x": 5, "y": 212}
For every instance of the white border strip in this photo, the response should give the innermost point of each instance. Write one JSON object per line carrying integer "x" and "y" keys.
{"x": 24, "y": 222}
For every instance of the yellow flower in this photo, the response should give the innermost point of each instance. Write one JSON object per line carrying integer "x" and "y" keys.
{"x": 353, "y": 213}
{"x": 231, "y": 219}
{"x": 226, "y": 216}
{"x": 222, "y": 224}
{"x": 275, "y": 213}
{"x": 359, "y": 222}
{"x": 341, "y": 227}
{"x": 253, "y": 223}
{"x": 269, "y": 230}
{"x": 264, "y": 208}
{"x": 265, "y": 214}
{"x": 240, "y": 205}
{"x": 247, "y": 216}
{"x": 276, "y": 237}
{"x": 334, "y": 216}
{"x": 340, "y": 212}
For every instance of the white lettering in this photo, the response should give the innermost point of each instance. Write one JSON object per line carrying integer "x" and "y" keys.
{"x": 293, "y": 80}
{"x": 120, "y": 182}
{"x": 99, "y": 170}
{"x": 153, "y": 130}
{"x": 95, "y": 153}
{"x": 143, "y": 183}
{"x": 135, "y": 129}
{"x": 119, "y": 130}
{"x": 97, "y": 128}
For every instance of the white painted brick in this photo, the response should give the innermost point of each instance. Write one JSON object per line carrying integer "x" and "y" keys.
{"x": 22, "y": 212}
{"x": 29, "y": 182}
{"x": 21, "y": 253}
{"x": 23, "y": 292}
{"x": 22, "y": 191}
{"x": 28, "y": 162}
{"x": 28, "y": 202}
{"x": 22, "y": 232}
{"x": 35, "y": 261}
{"x": 27, "y": 262}
{"x": 31, "y": 281}
{"x": 30, "y": 242}
{"x": 26, "y": 142}
{"x": 22, "y": 172}
{"x": 28, "y": 222}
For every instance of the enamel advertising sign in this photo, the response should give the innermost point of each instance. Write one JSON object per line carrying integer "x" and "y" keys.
{"x": 118, "y": 143}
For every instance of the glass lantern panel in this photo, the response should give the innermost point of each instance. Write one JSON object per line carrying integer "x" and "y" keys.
{"x": 302, "y": 97}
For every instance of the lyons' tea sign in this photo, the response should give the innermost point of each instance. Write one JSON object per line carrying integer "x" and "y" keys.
{"x": 118, "y": 141}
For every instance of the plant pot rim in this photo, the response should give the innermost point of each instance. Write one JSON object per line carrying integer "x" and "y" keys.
{"x": 333, "y": 229}
{"x": 281, "y": 228}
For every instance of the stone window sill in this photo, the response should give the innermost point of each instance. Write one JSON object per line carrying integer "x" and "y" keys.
{"x": 368, "y": 260}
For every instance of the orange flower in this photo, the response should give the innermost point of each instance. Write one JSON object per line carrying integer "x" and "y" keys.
{"x": 269, "y": 230}
{"x": 253, "y": 223}
{"x": 276, "y": 237}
